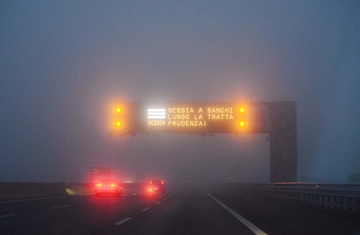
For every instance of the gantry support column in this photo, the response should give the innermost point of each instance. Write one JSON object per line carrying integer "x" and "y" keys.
{"x": 283, "y": 142}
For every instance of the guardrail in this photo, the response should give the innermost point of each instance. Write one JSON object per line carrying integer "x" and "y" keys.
{"x": 15, "y": 191}
{"x": 344, "y": 197}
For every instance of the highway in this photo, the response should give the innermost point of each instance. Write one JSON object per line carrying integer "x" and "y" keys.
{"x": 182, "y": 209}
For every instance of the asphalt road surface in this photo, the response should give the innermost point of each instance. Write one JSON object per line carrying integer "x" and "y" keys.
{"x": 181, "y": 210}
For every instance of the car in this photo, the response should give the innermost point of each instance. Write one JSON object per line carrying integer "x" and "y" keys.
{"x": 108, "y": 187}
{"x": 157, "y": 186}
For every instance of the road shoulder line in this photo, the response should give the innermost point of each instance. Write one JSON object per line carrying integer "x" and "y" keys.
{"x": 247, "y": 223}
{"x": 8, "y": 215}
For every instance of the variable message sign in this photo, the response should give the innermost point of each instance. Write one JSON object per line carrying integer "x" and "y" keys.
{"x": 191, "y": 117}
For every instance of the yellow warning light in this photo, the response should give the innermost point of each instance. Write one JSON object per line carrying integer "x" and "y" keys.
{"x": 118, "y": 110}
{"x": 242, "y": 123}
{"x": 118, "y": 123}
{"x": 242, "y": 110}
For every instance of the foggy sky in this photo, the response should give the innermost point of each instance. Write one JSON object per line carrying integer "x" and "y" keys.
{"x": 63, "y": 62}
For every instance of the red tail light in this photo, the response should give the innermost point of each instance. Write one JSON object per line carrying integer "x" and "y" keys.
{"x": 162, "y": 182}
{"x": 112, "y": 185}
{"x": 98, "y": 185}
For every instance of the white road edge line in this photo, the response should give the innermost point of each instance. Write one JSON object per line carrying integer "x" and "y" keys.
{"x": 247, "y": 223}
{"x": 123, "y": 221}
{"x": 145, "y": 209}
{"x": 164, "y": 199}
{"x": 9, "y": 215}
{"x": 57, "y": 207}
{"x": 158, "y": 203}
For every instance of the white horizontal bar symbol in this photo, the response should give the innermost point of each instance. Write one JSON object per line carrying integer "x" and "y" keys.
{"x": 156, "y": 117}
{"x": 156, "y": 110}
{"x": 156, "y": 113}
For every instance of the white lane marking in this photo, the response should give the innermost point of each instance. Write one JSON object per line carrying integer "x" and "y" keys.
{"x": 247, "y": 223}
{"x": 57, "y": 207}
{"x": 164, "y": 199}
{"x": 92, "y": 201}
{"x": 123, "y": 221}
{"x": 158, "y": 203}
{"x": 133, "y": 194}
{"x": 125, "y": 195}
{"x": 9, "y": 215}
{"x": 145, "y": 209}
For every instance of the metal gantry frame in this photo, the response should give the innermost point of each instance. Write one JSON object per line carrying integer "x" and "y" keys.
{"x": 276, "y": 118}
